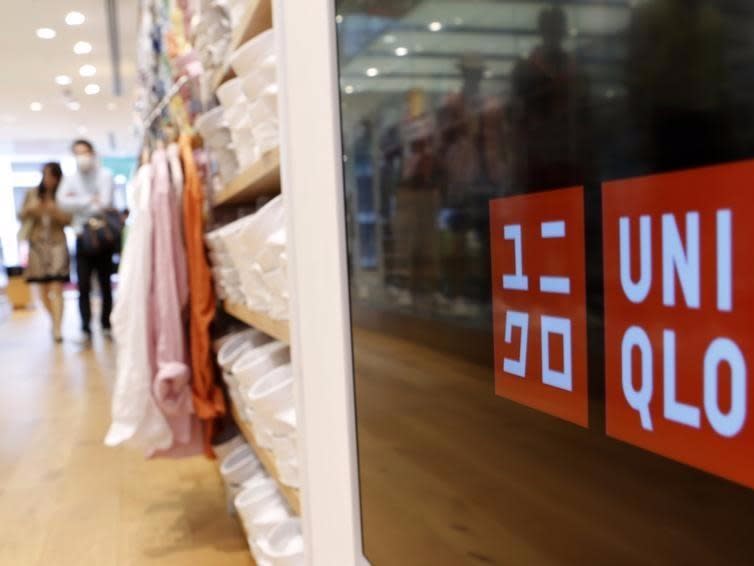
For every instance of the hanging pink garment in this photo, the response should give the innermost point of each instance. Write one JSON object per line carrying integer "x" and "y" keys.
{"x": 168, "y": 300}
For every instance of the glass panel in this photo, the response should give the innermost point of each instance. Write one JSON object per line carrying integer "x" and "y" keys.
{"x": 548, "y": 210}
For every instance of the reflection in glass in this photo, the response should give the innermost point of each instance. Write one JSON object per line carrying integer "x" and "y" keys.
{"x": 446, "y": 105}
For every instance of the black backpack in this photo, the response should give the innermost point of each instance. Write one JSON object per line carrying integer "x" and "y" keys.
{"x": 101, "y": 234}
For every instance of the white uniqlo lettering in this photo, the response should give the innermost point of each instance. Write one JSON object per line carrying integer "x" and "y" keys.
{"x": 724, "y": 260}
{"x": 675, "y": 410}
{"x": 518, "y": 320}
{"x": 723, "y": 350}
{"x": 550, "y": 325}
{"x": 638, "y": 399}
{"x": 553, "y": 325}
{"x": 516, "y": 281}
{"x": 680, "y": 260}
{"x": 549, "y": 283}
{"x": 637, "y": 291}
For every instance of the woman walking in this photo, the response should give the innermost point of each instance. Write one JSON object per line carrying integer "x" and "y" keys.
{"x": 49, "y": 261}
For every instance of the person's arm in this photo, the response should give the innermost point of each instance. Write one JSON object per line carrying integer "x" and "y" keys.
{"x": 58, "y": 214}
{"x": 30, "y": 209}
{"x": 106, "y": 189}
{"x": 73, "y": 200}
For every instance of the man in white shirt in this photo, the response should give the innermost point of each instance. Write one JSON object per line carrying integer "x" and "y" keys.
{"x": 88, "y": 192}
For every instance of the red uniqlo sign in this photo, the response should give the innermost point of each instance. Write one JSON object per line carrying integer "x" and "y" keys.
{"x": 679, "y": 316}
{"x": 538, "y": 301}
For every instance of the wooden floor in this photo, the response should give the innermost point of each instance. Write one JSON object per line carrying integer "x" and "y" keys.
{"x": 65, "y": 498}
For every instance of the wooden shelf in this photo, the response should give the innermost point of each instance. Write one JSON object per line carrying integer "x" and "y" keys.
{"x": 265, "y": 456}
{"x": 276, "y": 328}
{"x": 260, "y": 178}
{"x": 258, "y": 17}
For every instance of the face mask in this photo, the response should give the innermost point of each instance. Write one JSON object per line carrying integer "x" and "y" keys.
{"x": 85, "y": 163}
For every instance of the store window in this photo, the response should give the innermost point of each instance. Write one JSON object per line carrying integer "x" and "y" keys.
{"x": 548, "y": 219}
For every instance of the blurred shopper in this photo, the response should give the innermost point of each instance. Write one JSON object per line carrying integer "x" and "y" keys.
{"x": 88, "y": 195}
{"x": 49, "y": 262}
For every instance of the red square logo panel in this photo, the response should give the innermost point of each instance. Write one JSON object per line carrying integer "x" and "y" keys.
{"x": 679, "y": 306}
{"x": 538, "y": 300}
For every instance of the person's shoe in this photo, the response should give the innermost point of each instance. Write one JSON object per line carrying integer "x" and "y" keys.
{"x": 86, "y": 337}
{"x": 107, "y": 333}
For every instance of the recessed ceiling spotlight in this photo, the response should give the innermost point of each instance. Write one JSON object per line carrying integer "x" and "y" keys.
{"x": 73, "y": 105}
{"x": 88, "y": 70}
{"x": 339, "y": 19}
{"x": 435, "y": 26}
{"x": 349, "y": 89}
{"x": 75, "y": 18}
{"x": 373, "y": 72}
{"x": 63, "y": 80}
{"x": 46, "y": 33}
{"x": 401, "y": 51}
{"x": 82, "y": 48}
{"x": 92, "y": 88}
{"x": 35, "y": 106}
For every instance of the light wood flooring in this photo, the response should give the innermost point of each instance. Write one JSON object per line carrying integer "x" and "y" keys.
{"x": 68, "y": 500}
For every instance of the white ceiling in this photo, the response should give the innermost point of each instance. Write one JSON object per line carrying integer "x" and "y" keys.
{"x": 30, "y": 65}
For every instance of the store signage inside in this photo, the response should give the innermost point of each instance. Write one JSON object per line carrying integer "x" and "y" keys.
{"x": 678, "y": 306}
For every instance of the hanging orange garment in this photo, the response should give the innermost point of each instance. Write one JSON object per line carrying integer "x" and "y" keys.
{"x": 209, "y": 402}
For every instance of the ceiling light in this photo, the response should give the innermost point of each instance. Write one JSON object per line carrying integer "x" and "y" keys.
{"x": 373, "y": 72}
{"x": 339, "y": 19}
{"x": 91, "y": 89}
{"x": 401, "y": 51}
{"x": 82, "y": 48}
{"x": 46, "y": 33}
{"x": 389, "y": 39}
{"x": 63, "y": 80}
{"x": 75, "y": 18}
{"x": 88, "y": 71}
{"x": 435, "y": 26}
{"x": 36, "y": 106}
{"x": 73, "y": 105}
{"x": 349, "y": 89}
{"x": 120, "y": 179}
{"x": 112, "y": 106}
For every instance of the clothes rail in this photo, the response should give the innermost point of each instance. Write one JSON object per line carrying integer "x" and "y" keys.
{"x": 155, "y": 113}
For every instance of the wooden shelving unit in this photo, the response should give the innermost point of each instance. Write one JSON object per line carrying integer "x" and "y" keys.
{"x": 265, "y": 456}
{"x": 260, "y": 178}
{"x": 218, "y": 463}
{"x": 258, "y": 17}
{"x": 276, "y": 328}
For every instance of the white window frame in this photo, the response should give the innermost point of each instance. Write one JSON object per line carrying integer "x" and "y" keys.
{"x": 311, "y": 169}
